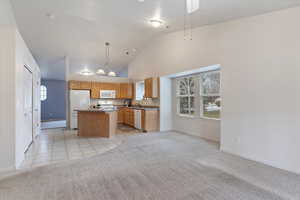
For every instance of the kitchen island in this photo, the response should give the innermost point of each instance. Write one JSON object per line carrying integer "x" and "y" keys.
{"x": 97, "y": 123}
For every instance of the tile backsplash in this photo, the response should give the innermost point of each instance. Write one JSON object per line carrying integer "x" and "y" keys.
{"x": 147, "y": 102}
{"x": 110, "y": 101}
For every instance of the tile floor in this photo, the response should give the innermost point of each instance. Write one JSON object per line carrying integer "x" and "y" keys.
{"x": 54, "y": 124}
{"x": 59, "y": 145}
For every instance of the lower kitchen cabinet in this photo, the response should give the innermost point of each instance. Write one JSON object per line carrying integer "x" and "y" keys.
{"x": 150, "y": 120}
{"x": 126, "y": 116}
{"x": 121, "y": 115}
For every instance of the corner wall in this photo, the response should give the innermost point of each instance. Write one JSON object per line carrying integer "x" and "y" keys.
{"x": 260, "y": 81}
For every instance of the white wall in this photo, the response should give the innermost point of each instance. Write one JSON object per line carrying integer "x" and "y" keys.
{"x": 260, "y": 80}
{"x": 7, "y": 124}
{"x": 23, "y": 57}
{"x": 6, "y": 15}
{"x": 7, "y": 103}
{"x": 13, "y": 55}
{"x": 166, "y": 113}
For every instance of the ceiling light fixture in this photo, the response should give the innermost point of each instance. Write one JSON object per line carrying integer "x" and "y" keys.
{"x": 112, "y": 74}
{"x": 192, "y": 6}
{"x": 100, "y": 72}
{"x": 156, "y": 23}
{"x": 86, "y": 72}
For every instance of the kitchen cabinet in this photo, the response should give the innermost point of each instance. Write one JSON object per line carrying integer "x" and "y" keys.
{"x": 126, "y": 91}
{"x": 150, "y": 120}
{"x": 121, "y": 115}
{"x": 151, "y": 88}
{"x": 128, "y": 116}
{"x": 80, "y": 85}
{"x": 95, "y": 91}
{"x": 123, "y": 90}
{"x": 97, "y": 86}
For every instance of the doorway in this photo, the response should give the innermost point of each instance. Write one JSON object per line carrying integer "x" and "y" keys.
{"x": 28, "y": 108}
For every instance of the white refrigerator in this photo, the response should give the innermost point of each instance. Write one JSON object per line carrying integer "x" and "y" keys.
{"x": 79, "y": 99}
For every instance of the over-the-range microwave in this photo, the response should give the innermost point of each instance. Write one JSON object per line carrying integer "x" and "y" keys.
{"x": 107, "y": 94}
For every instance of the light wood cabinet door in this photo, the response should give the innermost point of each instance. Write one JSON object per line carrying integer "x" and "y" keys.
{"x": 152, "y": 88}
{"x": 148, "y": 88}
{"x": 95, "y": 91}
{"x": 74, "y": 85}
{"x": 128, "y": 115}
{"x": 121, "y": 115}
{"x": 80, "y": 85}
{"x": 126, "y": 91}
{"x": 150, "y": 120}
{"x": 85, "y": 85}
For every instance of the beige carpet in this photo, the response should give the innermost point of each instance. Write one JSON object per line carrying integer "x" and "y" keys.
{"x": 164, "y": 166}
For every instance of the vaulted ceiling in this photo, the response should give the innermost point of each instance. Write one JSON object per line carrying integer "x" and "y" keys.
{"x": 78, "y": 29}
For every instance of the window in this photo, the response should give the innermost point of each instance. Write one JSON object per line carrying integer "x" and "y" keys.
{"x": 186, "y": 96}
{"x": 43, "y": 93}
{"x": 210, "y": 95}
{"x": 139, "y": 90}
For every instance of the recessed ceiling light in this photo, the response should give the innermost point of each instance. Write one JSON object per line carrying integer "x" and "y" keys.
{"x": 156, "y": 23}
{"x": 141, "y": 0}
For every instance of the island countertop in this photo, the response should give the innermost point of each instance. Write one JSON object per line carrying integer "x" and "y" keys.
{"x": 96, "y": 110}
{"x": 97, "y": 122}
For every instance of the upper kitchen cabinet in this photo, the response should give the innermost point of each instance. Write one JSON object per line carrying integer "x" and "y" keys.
{"x": 151, "y": 88}
{"x": 126, "y": 91}
{"x": 95, "y": 92}
{"x": 80, "y": 85}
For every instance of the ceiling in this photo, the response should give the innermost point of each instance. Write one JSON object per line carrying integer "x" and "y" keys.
{"x": 78, "y": 29}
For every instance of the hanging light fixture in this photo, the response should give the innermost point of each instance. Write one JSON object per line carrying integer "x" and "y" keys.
{"x": 190, "y": 6}
{"x": 86, "y": 72}
{"x": 111, "y": 73}
{"x": 100, "y": 72}
{"x": 107, "y": 62}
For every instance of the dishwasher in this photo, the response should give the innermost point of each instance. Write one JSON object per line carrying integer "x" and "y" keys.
{"x": 138, "y": 119}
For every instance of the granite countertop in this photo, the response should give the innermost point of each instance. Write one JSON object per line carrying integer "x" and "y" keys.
{"x": 139, "y": 107}
{"x": 97, "y": 110}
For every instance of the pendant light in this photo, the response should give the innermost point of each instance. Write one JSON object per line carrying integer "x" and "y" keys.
{"x": 107, "y": 62}
{"x": 100, "y": 72}
{"x": 111, "y": 73}
{"x": 190, "y": 6}
{"x": 86, "y": 72}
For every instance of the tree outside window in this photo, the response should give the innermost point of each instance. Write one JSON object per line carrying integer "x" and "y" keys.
{"x": 186, "y": 96}
{"x": 43, "y": 93}
{"x": 210, "y": 98}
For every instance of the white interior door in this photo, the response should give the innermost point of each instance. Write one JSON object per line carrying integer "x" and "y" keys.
{"x": 28, "y": 104}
